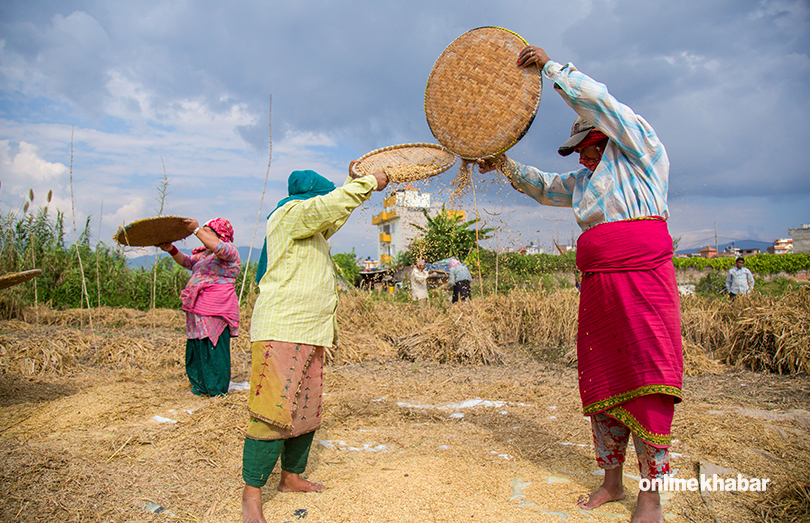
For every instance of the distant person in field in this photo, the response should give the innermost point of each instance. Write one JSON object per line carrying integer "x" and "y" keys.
{"x": 629, "y": 352}
{"x": 459, "y": 281}
{"x": 211, "y": 305}
{"x": 293, "y": 321}
{"x": 739, "y": 279}
{"x": 419, "y": 277}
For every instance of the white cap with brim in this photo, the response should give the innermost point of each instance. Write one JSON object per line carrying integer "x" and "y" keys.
{"x": 579, "y": 131}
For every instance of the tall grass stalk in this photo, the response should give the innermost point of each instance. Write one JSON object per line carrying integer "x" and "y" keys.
{"x": 98, "y": 282}
{"x": 76, "y": 242}
{"x": 33, "y": 253}
{"x": 261, "y": 201}
{"x": 163, "y": 191}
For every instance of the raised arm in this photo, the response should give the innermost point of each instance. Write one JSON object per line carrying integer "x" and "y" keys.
{"x": 547, "y": 188}
{"x": 591, "y": 100}
{"x": 325, "y": 214}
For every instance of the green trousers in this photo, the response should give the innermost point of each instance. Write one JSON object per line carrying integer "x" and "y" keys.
{"x": 208, "y": 366}
{"x": 259, "y": 457}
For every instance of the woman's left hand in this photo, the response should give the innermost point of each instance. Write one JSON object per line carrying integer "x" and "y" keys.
{"x": 191, "y": 224}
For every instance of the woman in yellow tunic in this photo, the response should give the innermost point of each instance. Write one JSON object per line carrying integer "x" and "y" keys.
{"x": 293, "y": 320}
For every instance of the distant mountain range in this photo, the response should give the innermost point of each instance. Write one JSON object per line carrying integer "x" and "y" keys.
{"x": 741, "y": 244}
{"x": 148, "y": 259}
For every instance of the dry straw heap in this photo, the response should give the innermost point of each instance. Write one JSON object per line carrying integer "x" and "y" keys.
{"x": 757, "y": 332}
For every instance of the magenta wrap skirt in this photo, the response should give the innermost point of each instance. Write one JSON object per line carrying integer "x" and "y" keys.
{"x": 630, "y": 357}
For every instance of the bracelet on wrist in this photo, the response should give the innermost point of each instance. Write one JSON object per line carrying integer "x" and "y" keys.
{"x": 196, "y": 231}
{"x": 174, "y": 250}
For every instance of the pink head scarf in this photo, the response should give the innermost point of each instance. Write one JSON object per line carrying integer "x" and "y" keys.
{"x": 222, "y": 227}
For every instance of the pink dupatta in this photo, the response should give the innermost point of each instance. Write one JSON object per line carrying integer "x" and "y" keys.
{"x": 213, "y": 299}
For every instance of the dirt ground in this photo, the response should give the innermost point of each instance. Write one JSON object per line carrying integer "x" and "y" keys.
{"x": 400, "y": 442}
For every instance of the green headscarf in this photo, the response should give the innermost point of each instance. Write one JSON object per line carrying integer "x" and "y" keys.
{"x": 301, "y": 185}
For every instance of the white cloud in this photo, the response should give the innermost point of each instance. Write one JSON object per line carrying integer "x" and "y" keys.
{"x": 127, "y": 213}
{"x": 25, "y": 170}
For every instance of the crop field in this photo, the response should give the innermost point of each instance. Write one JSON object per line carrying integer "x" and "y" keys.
{"x": 449, "y": 413}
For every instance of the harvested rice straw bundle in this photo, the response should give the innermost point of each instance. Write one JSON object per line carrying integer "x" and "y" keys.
{"x": 707, "y": 322}
{"x": 406, "y": 162}
{"x": 773, "y": 336}
{"x": 696, "y": 361}
{"x": 790, "y": 503}
{"x": 458, "y": 335}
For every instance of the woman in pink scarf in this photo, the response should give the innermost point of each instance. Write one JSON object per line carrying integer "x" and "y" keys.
{"x": 212, "y": 309}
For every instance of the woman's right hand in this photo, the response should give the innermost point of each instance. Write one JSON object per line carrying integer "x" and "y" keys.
{"x": 191, "y": 224}
{"x": 486, "y": 165}
{"x": 381, "y": 177}
{"x": 166, "y": 246}
{"x": 531, "y": 54}
{"x": 382, "y": 180}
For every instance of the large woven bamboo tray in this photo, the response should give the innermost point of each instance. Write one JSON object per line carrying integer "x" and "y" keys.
{"x": 406, "y": 162}
{"x": 152, "y": 231}
{"x": 478, "y": 101}
{"x": 15, "y": 278}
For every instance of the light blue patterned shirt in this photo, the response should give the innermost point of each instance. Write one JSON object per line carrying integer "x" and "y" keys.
{"x": 631, "y": 180}
{"x": 459, "y": 273}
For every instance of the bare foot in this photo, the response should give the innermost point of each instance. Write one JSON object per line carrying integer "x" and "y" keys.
{"x": 648, "y": 509}
{"x": 599, "y": 497}
{"x": 295, "y": 483}
{"x": 252, "y": 505}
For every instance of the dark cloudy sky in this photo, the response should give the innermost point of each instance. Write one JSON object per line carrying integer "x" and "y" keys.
{"x": 185, "y": 85}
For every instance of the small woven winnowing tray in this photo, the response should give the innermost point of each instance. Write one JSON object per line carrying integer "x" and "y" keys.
{"x": 152, "y": 231}
{"x": 406, "y": 162}
{"x": 16, "y": 278}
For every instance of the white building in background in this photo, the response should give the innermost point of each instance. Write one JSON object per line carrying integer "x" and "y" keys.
{"x": 781, "y": 246}
{"x": 801, "y": 239}
{"x": 402, "y": 210}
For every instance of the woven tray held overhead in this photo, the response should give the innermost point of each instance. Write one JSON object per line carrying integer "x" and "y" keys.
{"x": 406, "y": 162}
{"x": 478, "y": 101}
{"x": 152, "y": 231}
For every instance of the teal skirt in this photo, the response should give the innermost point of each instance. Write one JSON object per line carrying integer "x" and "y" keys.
{"x": 208, "y": 366}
